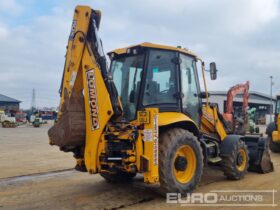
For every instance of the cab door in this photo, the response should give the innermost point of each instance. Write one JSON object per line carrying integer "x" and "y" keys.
{"x": 190, "y": 88}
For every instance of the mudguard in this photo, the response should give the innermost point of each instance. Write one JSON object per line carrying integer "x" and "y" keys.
{"x": 228, "y": 143}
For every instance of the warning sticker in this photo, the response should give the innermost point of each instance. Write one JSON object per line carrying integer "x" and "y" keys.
{"x": 148, "y": 135}
{"x": 156, "y": 140}
{"x": 73, "y": 78}
{"x": 73, "y": 30}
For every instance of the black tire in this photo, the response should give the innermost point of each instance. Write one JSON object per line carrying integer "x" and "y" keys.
{"x": 230, "y": 164}
{"x": 170, "y": 142}
{"x": 118, "y": 177}
{"x": 273, "y": 146}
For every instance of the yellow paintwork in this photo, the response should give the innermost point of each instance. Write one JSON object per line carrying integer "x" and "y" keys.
{"x": 242, "y": 166}
{"x": 210, "y": 122}
{"x": 80, "y": 62}
{"x": 186, "y": 175}
{"x": 156, "y": 46}
{"x": 93, "y": 137}
{"x": 151, "y": 145}
{"x": 166, "y": 118}
{"x": 204, "y": 80}
{"x": 74, "y": 51}
{"x": 276, "y": 134}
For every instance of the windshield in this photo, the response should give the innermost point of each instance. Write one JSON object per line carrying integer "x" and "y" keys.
{"x": 160, "y": 85}
{"x": 127, "y": 73}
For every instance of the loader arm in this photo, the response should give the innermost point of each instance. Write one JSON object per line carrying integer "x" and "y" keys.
{"x": 88, "y": 97}
{"x": 213, "y": 123}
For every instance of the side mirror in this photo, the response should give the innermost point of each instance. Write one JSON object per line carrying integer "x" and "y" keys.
{"x": 203, "y": 95}
{"x": 213, "y": 71}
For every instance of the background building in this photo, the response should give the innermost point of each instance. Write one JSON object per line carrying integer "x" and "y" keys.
{"x": 262, "y": 103}
{"x": 9, "y": 104}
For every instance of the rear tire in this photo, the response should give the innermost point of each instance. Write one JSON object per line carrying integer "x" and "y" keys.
{"x": 273, "y": 146}
{"x": 118, "y": 177}
{"x": 180, "y": 161}
{"x": 235, "y": 165}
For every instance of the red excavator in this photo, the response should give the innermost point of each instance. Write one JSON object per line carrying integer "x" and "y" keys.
{"x": 237, "y": 123}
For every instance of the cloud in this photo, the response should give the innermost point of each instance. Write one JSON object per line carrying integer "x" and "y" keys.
{"x": 32, "y": 56}
{"x": 252, "y": 15}
{"x": 3, "y": 32}
{"x": 241, "y": 36}
{"x": 11, "y": 7}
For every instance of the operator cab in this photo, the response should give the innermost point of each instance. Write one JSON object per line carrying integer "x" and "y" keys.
{"x": 149, "y": 75}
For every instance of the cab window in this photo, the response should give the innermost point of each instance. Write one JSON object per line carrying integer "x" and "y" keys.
{"x": 190, "y": 87}
{"x": 160, "y": 84}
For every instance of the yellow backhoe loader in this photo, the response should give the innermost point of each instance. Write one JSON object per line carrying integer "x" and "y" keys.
{"x": 273, "y": 129}
{"x": 144, "y": 114}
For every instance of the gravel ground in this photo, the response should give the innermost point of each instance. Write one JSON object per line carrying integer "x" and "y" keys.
{"x": 34, "y": 175}
{"x": 26, "y": 150}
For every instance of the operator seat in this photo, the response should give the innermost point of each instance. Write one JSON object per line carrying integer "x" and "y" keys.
{"x": 151, "y": 90}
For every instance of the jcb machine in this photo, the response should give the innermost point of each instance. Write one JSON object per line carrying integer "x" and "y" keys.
{"x": 144, "y": 115}
{"x": 273, "y": 129}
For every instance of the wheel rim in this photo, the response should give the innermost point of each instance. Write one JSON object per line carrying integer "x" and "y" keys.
{"x": 241, "y": 160}
{"x": 184, "y": 164}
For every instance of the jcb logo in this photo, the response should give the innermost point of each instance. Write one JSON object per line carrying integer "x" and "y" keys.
{"x": 92, "y": 100}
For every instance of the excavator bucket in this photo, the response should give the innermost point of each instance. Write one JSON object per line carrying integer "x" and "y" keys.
{"x": 260, "y": 160}
{"x": 69, "y": 131}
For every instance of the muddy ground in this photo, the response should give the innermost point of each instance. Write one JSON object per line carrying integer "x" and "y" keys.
{"x": 34, "y": 175}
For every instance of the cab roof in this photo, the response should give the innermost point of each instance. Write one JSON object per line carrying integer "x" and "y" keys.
{"x": 120, "y": 51}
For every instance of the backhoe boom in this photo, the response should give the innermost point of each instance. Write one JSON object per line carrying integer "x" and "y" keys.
{"x": 86, "y": 92}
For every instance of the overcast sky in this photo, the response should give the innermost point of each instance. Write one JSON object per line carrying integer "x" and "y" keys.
{"x": 242, "y": 37}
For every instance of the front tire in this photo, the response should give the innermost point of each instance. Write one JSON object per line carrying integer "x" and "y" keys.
{"x": 235, "y": 165}
{"x": 180, "y": 161}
